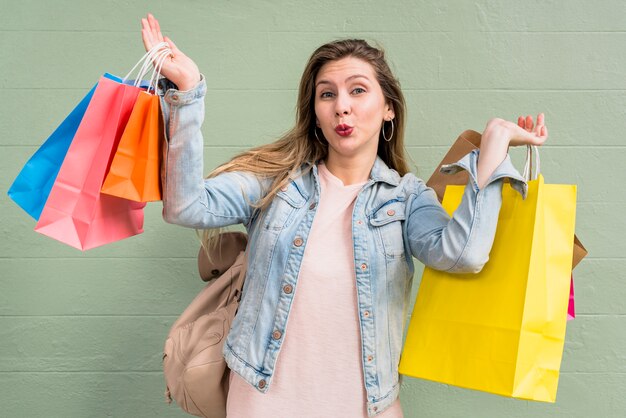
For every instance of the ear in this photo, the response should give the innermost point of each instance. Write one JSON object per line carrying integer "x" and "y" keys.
{"x": 389, "y": 113}
{"x": 317, "y": 122}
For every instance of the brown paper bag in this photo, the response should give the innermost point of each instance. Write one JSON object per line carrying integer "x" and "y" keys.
{"x": 465, "y": 143}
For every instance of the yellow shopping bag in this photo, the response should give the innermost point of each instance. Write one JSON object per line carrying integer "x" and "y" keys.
{"x": 501, "y": 330}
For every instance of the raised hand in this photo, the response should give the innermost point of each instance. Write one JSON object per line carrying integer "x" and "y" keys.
{"x": 523, "y": 133}
{"x": 178, "y": 67}
{"x": 526, "y": 133}
{"x": 527, "y": 124}
{"x": 499, "y": 134}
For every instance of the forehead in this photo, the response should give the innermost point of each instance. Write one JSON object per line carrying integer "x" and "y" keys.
{"x": 339, "y": 70}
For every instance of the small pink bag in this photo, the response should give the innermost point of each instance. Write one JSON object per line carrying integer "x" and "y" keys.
{"x": 571, "y": 312}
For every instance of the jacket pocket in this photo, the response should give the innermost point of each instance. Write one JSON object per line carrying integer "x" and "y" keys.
{"x": 387, "y": 221}
{"x": 280, "y": 212}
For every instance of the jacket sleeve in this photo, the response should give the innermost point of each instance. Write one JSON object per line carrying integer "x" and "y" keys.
{"x": 189, "y": 199}
{"x": 462, "y": 243}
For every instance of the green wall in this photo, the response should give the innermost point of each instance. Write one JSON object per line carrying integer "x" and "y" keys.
{"x": 81, "y": 333}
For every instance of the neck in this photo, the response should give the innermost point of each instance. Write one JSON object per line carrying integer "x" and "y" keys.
{"x": 350, "y": 170}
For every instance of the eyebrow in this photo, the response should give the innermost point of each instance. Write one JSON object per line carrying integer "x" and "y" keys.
{"x": 347, "y": 79}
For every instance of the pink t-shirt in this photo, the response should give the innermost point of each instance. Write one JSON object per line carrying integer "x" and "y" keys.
{"x": 319, "y": 371}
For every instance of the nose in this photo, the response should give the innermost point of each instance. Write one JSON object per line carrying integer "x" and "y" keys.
{"x": 342, "y": 105}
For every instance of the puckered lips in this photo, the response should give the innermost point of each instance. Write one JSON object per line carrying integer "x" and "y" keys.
{"x": 343, "y": 129}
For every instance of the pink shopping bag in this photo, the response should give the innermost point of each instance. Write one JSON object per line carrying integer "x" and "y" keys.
{"x": 571, "y": 311}
{"x": 76, "y": 213}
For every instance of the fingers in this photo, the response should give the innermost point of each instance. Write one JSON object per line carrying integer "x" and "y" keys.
{"x": 525, "y": 123}
{"x": 151, "y": 32}
{"x": 529, "y": 123}
{"x": 540, "y": 125}
{"x": 155, "y": 28}
{"x": 526, "y": 132}
{"x": 541, "y": 131}
{"x": 146, "y": 35}
{"x": 175, "y": 51}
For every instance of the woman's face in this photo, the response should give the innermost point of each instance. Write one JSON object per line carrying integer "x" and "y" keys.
{"x": 350, "y": 108}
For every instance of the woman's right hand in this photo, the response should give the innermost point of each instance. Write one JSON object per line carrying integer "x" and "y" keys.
{"x": 178, "y": 67}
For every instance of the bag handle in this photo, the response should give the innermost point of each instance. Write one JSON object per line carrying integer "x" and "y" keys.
{"x": 532, "y": 151}
{"x": 152, "y": 62}
{"x": 145, "y": 68}
{"x": 156, "y": 71}
{"x": 146, "y": 61}
{"x": 145, "y": 57}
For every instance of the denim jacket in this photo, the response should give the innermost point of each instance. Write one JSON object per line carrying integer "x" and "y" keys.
{"x": 394, "y": 219}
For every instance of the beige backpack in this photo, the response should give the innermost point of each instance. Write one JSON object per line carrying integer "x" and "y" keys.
{"x": 195, "y": 371}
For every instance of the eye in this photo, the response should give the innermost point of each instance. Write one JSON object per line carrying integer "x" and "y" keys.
{"x": 358, "y": 90}
{"x": 326, "y": 94}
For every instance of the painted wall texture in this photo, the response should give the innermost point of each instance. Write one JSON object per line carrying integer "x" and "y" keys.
{"x": 81, "y": 334}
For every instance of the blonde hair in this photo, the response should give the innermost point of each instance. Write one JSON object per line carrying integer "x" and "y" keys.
{"x": 298, "y": 149}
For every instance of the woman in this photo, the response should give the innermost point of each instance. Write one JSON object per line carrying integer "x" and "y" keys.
{"x": 332, "y": 212}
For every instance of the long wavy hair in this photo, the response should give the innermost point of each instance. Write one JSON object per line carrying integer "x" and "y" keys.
{"x": 298, "y": 149}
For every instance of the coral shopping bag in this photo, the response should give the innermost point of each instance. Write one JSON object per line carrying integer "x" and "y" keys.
{"x": 135, "y": 170}
{"x": 31, "y": 187}
{"x": 76, "y": 213}
{"x": 501, "y": 330}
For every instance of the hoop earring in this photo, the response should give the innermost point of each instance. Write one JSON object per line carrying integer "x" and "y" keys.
{"x": 317, "y": 137}
{"x": 383, "y": 132}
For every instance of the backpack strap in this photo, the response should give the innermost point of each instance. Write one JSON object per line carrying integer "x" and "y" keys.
{"x": 222, "y": 256}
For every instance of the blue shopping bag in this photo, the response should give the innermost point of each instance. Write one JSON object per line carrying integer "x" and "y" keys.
{"x": 32, "y": 186}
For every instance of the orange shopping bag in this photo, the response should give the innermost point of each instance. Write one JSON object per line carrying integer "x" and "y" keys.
{"x": 134, "y": 171}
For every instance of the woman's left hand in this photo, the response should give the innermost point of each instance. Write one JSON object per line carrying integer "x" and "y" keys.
{"x": 524, "y": 133}
{"x": 529, "y": 134}
{"x": 501, "y": 134}
{"x": 540, "y": 132}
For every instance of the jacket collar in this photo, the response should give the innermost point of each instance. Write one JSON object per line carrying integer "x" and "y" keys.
{"x": 380, "y": 172}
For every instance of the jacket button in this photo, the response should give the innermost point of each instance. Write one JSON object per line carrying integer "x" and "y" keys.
{"x": 312, "y": 206}
{"x": 298, "y": 242}
{"x": 262, "y": 383}
{"x": 370, "y": 358}
{"x": 391, "y": 212}
{"x": 276, "y": 335}
{"x": 287, "y": 288}
{"x": 375, "y": 408}
{"x": 284, "y": 188}
{"x": 366, "y": 314}
{"x": 360, "y": 222}
{"x": 363, "y": 266}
